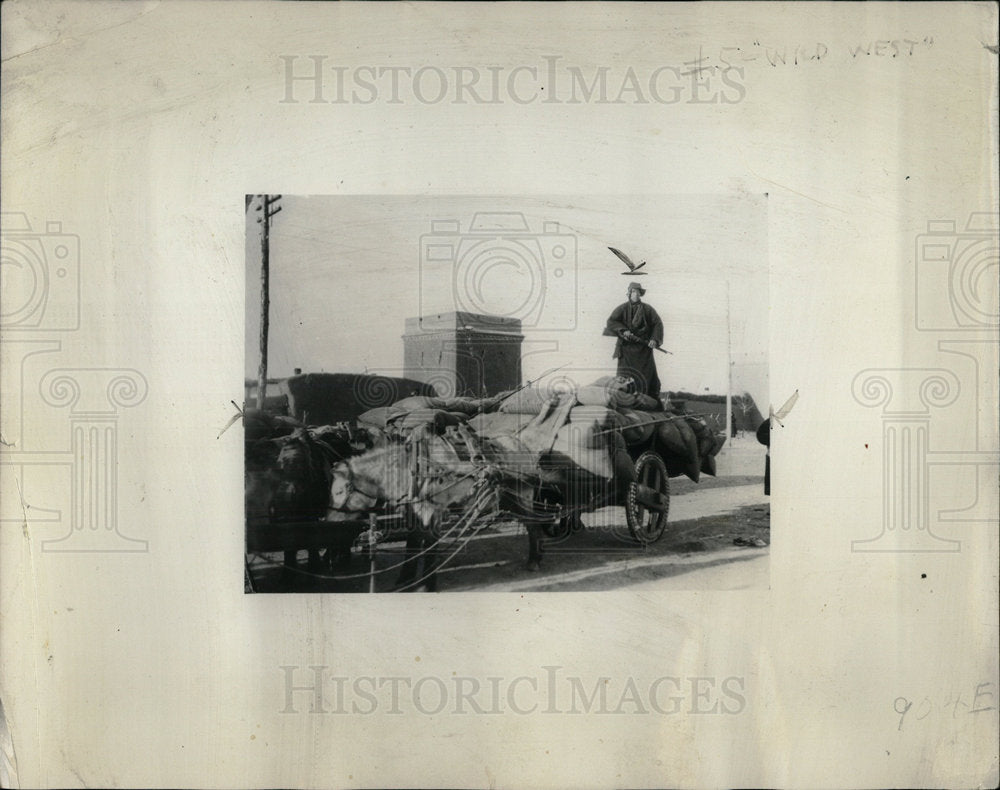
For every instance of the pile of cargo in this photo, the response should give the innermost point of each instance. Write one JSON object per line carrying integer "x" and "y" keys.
{"x": 592, "y": 425}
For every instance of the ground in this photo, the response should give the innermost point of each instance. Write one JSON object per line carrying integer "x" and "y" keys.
{"x": 717, "y": 537}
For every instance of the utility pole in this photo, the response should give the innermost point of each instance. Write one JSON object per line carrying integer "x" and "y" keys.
{"x": 266, "y": 202}
{"x": 729, "y": 365}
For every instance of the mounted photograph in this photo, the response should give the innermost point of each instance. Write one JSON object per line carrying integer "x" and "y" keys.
{"x": 507, "y": 394}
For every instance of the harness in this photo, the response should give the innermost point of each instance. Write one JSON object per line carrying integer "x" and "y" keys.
{"x": 423, "y": 470}
{"x": 350, "y": 487}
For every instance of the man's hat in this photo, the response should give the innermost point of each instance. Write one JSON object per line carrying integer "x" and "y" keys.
{"x": 635, "y": 286}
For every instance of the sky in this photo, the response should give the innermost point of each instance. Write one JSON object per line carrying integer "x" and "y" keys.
{"x": 346, "y": 271}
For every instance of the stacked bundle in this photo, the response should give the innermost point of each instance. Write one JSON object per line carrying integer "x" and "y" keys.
{"x": 438, "y": 413}
{"x": 596, "y": 427}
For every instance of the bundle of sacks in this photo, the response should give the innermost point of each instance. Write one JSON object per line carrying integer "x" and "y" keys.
{"x": 406, "y": 414}
{"x": 603, "y": 422}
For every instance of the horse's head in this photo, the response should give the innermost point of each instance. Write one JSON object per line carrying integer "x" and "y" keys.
{"x": 260, "y": 480}
{"x": 285, "y": 479}
{"x": 343, "y": 493}
{"x": 295, "y": 457}
{"x": 259, "y": 488}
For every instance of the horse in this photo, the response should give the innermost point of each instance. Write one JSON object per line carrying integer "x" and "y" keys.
{"x": 388, "y": 477}
{"x": 287, "y": 479}
{"x": 429, "y": 478}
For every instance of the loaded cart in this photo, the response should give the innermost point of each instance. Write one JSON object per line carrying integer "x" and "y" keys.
{"x": 440, "y": 470}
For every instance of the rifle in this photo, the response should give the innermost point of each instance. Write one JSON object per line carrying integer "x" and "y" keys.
{"x": 611, "y": 333}
{"x": 646, "y": 343}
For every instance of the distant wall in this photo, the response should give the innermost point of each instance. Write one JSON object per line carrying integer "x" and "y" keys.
{"x": 713, "y": 408}
{"x": 327, "y": 398}
{"x": 276, "y": 400}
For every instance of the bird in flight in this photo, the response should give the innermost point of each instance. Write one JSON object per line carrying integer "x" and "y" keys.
{"x": 632, "y": 268}
{"x": 780, "y": 414}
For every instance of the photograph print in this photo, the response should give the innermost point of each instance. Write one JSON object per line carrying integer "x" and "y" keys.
{"x": 500, "y": 394}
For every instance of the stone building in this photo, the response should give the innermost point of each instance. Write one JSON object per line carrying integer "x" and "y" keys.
{"x": 463, "y": 353}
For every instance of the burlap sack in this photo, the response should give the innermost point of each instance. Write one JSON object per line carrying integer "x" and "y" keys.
{"x": 679, "y": 447}
{"x": 527, "y": 401}
{"x": 610, "y": 382}
{"x": 692, "y": 467}
{"x": 585, "y": 448}
{"x": 670, "y": 439}
{"x": 605, "y": 396}
{"x": 606, "y": 419}
{"x": 624, "y": 467}
{"x": 469, "y": 406}
{"x": 377, "y": 417}
{"x": 417, "y": 402}
{"x": 646, "y": 402}
{"x": 639, "y": 426}
{"x": 437, "y": 419}
{"x": 704, "y": 435}
{"x": 498, "y": 423}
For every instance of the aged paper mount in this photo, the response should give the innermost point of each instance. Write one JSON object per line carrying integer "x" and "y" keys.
{"x": 129, "y": 653}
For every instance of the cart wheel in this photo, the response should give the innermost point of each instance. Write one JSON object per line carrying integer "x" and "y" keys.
{"x": 646, "y": 524}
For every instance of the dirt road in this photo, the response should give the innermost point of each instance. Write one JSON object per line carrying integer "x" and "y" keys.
{"x": 716, "y": 539}
{"x": 696, "y": 552}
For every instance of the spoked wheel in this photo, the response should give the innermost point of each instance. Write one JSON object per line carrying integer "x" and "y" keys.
{"x": 648, "y": 501}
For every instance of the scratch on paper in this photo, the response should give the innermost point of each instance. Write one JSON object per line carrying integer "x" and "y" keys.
{"x": 8, "y": 761}
{"x": 78, "y": 37}
{"x": 800, "y": 194}
{"x": 24, "y": 512}
{"x": 232, "y": 420}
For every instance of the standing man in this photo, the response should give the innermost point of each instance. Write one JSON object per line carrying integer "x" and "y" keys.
{"x": 764, "y": 437}
{"x": 639, "y": 330}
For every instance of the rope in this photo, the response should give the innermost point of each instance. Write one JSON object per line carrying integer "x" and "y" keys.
{"x": 651, "y": 422}
{"x": 469, "y": 517}
{"x": 444, "y": 563}
{"x": 489, "y": 474}
{"x": 382, "y": 570}
{"x": 474, "y": 511}
{"x": 424, "y": 551}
